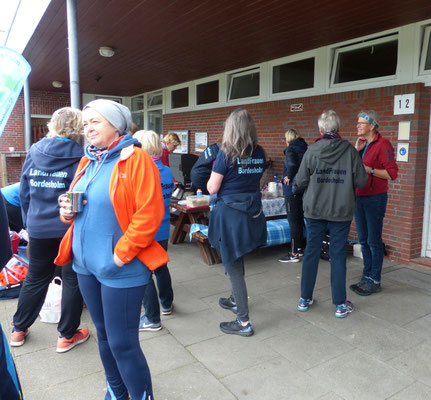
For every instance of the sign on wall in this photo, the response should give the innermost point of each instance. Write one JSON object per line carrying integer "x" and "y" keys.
{"x": 404, "y": 104}
{"x": 201, "y": 141}
{"x": 403, "y": 152}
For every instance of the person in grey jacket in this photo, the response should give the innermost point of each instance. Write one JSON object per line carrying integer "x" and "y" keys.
{"x": 331, "y": 170}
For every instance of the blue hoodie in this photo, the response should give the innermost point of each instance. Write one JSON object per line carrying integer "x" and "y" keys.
{"x": 47, "y": 173}
{"x": 293, "y": 157}
{"x": 167, "y": 189}
{"x": 96, "y": 230}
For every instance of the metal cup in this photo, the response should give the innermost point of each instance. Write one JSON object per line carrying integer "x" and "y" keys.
{"x": 76, "y": 201}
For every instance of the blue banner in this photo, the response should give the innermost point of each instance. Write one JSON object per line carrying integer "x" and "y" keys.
{"x": 14, "y": 70}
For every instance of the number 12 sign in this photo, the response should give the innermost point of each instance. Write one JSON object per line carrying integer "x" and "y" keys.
{"x": 404, "y": 104}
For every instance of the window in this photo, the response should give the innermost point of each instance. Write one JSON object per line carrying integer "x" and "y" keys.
{"x": 244, "y": 84}
{"x": 137, "y": 103}
{"x": 138, "y": 119}
{"x": 207, "y": 92}
{"x": 371, "y": 59}
{"x": 295, "y": 75}
{"x": 180, "y": 98}
{"x": 155, "y": 99}
{"x": 426, "y": 51}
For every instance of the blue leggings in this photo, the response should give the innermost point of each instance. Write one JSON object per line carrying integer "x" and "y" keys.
{"x": 115, "y": 313}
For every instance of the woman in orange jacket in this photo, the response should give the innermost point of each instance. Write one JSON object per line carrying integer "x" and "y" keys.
{"x": 111, "y": 242}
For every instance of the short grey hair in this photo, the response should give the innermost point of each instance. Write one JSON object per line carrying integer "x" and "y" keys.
{"x": 371, "y": 116}
{"x": 329, "y": 121}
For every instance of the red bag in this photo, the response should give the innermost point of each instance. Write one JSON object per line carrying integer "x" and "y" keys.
{"x": 14, "y": 240}
{"x": 14, "y": 272}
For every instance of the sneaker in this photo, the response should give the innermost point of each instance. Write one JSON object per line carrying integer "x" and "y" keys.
{"x": 368, "y": 288}
{"x": 64, "y": 344}
{"x": 342, "y": 310}
{"x": 17, "y": 338}
{"x": 300, "y": 252}
{"x": 167, "y": 311}
{"x": 304, "y": 304}
{"x": 237, "y": 328}
{"x": 289, "y": 258}
{"x": 360, "y": 284}
{"x": 228, "y": 304}
{"x": 146, "y": 325}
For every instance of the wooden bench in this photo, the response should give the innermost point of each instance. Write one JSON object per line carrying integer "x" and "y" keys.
{"x": 209, "y": 254}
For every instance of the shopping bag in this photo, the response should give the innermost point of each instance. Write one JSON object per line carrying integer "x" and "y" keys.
{"x": 12, "y": 276}
{"x": 51, "y": 309}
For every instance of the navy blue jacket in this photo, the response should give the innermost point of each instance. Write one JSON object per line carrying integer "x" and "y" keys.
{"x": 292, "y": 160}
{"x": 47, "y": 173}
{"x": 237, "y": 226}
{"x": 201, "y": 171}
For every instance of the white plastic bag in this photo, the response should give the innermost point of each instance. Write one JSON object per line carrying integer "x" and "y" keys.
{"x": 51, "y": 309}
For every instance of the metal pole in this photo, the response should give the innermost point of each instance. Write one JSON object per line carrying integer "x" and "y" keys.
{"x": 72, "y": 34}
{"x": 27, "y": 116}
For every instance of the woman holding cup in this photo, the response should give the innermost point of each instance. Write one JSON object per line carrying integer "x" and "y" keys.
{"x": 47, "y": 172}
{"x": 111, "y": 242}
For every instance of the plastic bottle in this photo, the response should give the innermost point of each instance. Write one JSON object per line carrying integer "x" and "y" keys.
{"x": 199, "y": 192}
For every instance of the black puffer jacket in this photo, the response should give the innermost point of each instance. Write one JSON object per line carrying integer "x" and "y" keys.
{"x": 292, "y": 160}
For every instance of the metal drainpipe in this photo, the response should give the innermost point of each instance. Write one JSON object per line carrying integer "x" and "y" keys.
{"x": 72, "y": 34}
{"x": 27, "y": 116}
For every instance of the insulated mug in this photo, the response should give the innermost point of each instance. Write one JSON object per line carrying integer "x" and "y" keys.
{"x": 76, "y": 201}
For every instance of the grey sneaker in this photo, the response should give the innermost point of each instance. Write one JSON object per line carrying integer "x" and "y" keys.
{"x": 290, "y": 258}
{"x": 228, "y": 304}
{"x": 237, "y": 328}
{"x": 368, "y": 288}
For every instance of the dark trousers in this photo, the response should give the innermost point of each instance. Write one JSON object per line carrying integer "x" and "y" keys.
{"x": 166, "y": 294}
{"x": 339, "y": 231}
{"x": 295, "y": 216}
{"x": 115, "y": 313}
{"x": 33, "y": 292}
{"x": 14, "y": 216}
{"x": 236, "y": 275}
{"x": 370, "y": 212}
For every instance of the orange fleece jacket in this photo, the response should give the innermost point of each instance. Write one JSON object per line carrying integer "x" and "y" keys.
{"x": 136, "y": 195}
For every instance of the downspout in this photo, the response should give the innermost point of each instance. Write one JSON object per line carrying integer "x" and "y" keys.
{"x": 27, "y": 116}
{"x": 72, "y": 35}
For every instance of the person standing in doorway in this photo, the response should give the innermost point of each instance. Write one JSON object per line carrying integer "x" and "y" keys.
{"x": 379, "y": 161}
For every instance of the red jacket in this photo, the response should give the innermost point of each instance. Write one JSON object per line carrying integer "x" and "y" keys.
{"x": 138, "y": 206}
{"x": 379, "y": 155}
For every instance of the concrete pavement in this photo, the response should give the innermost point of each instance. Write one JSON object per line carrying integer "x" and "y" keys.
{"x": 380, "y": 351}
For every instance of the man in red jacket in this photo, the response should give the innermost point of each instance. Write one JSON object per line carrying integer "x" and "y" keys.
{"x": 379, "y": 161}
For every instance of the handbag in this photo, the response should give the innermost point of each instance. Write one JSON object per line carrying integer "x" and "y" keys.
{"x": 51, "y": 309}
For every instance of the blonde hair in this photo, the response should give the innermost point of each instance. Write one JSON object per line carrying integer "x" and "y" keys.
{"x": 150, "y": 142}
{"x": 239, "y": 137}
{"x": 66, "y": 122}
{"x": 291, "y": 134}
{"x": 173, "y": 138}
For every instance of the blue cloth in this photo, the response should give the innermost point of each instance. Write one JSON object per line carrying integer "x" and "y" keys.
{"x": 166, "y": 294}
{"x": 47, "y": 173}
{"x": 167, "y": 189}
{"x": 96, "y": 230}
{"x": 237, "y": 226}
{"x": 198, "y": 228}
{"x": 278, "y": 232}
{"x": 243, "y": 176}
{"x": 293, "y": 155}
{"x": 339, "y": 231}
{"x": 11, "y": 194}
{"x": 115, "y": 314}
{"x": 369, "y": 216}
{"x": 10, "y": 388}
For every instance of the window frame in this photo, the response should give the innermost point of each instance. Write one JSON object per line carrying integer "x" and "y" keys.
{"x": 288, "y": 60}
{"x": 425, "y": 43}
{"x": 343, "y": 48}
{"x": 175, "y": 88}
{"x": 242, "y": 72}
{"x": 154, "y": 106}
{"x": 202, "y": 82}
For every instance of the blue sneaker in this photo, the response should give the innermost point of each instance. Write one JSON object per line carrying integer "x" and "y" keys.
{"x": 167, "y": 311}
{"x": 146, "y": 325}
{"x": 304, "y": 304}
{"x": 237, "y": 328}
{"x": 228, "y": 304}
{"x": 342, "y": 310}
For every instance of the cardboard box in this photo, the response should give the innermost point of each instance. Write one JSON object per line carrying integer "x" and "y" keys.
{"x": 197, "y": 201}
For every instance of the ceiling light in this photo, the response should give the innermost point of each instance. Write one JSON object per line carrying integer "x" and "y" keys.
{"x": 57, "y": 84}
{"x": 106, "y": 51}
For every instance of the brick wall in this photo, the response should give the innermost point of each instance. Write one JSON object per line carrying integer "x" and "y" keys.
{"x": 403, "y": 223}
{"x": 13, "y": 135}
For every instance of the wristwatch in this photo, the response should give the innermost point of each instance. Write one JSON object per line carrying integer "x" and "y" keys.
{"x": 372, "y": 171}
